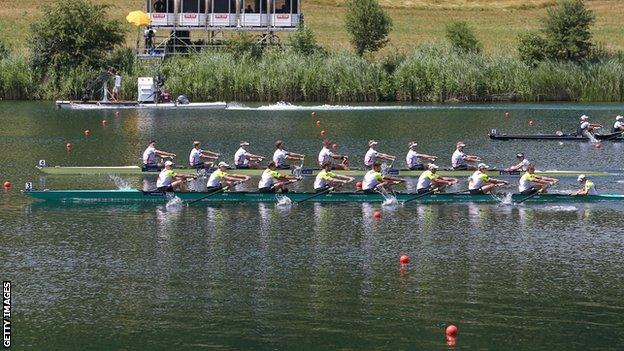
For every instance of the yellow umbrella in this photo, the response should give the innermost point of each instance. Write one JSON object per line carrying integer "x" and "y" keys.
{"x": 138, "y": 18}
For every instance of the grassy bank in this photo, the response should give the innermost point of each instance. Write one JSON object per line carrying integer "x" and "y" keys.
{"x": 428, "y": 74}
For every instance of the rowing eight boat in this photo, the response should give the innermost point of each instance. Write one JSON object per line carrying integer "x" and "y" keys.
{"x": 136, "y": 170}
{"x": 557, "y": 137}
{"x": 132, "y": 195}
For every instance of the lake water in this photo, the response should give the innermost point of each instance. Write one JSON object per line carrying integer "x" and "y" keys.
{"x": 316, "y": 276}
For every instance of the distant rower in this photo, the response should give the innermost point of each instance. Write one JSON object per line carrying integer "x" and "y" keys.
{"x": 220, "y": 176}
{"x": 587, "y": 186}
{"x": 375, "y": 181}
{"x": 481, "y": 183}
{"x": 168, "y": 180}
{"x": 618, "y": 126}
{"x": 413, "y": 160}
{"x": 199, "y": 158}
{"x": 326, "y": 179}
{"x": 280, "y": 156}
{"x": 429, "y": 180}
{"x": 149, "y": 156}
{"x": 326, "y": 155}
{"x": 586, "y": 129}
{"x": 373, "y": 156}
{"x": 530, "y": 183}
{"x": 522, "y": 165}
{"x": 244, "y": 159}
{"x": 460, "y": 160}
{"x": 272, "y": 181}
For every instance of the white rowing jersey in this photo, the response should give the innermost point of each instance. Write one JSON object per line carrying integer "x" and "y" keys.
{"x": 618, "y": 126}
{"x": 268, "y": 178}
{"x": 458, "y": 158}
{"x": 524, "y": 164}
{"x": 322, "y": 179}
{"x": 477, "y": 180}
{"x": 149, "y": 156}
{"x": 324, "y": 156}
{"x": 165, "y": 178}
{"x": 412, "y": 159}
{"x": 240, "y": 157}
{"x": 279, "y": 157}
{"x": 216, "y": 178}
{"x": 195, "y": 157}
{"x": 584, "y": 125}
{"x": 371, "y": 180}
{"x": 426, "y": 179}
{"x": 370, "y": 157}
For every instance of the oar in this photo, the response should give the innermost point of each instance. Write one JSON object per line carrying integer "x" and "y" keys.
{"x": 211, "y": 194}
{"x": 530, "y": 196}
{"x": 420, "y": 195}
{"x": 315, "y": 195}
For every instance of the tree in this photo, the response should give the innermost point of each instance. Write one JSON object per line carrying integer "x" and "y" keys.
{"x": 368, "y": 25}
{"x": 462, "y": 38}
{"x": 73, "y": 33}
{"x": 565, "y": 35}
{"x": 303, "y": 41}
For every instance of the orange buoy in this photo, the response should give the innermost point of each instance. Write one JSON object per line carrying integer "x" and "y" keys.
{"x": 104, "y": 123}
{"x": 69, "y": 146}
{"x": 313, "y": 113}
{"x": 335, "y": 146}
{"x": 404, "y": 259}
{"x": 7, "y": 185}
{"x": 507, "y": 114}
{"x": 531, "y": 123}
{"x": 598, "y": 146}
{"x": 358, "y": 186}
{"x": 323, "y": 132}
{"x": 377, "y": 215}
{"x": 318, "y": 122}
{"x": 451, "y": 331}
{"x": 451, "y": 341}
{"x": 87, "y": 132}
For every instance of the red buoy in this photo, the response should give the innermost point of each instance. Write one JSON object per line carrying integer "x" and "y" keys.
{"x": 7, "y": 185}
{"x": 335, "y": 146}
{"x": 451, "y": 341}
{"x": 313, "y": 113}
{"x": 377, "y": 215}
{"x": 598, "y": 146}
{"x": 104, "y": 123}
{"x": 404, "y": 259}
{"x": 69, "y": 146}
{"x": 530, "y": 123}
{"x": 318, "y": 122}
{"x": 358, "y": 186}
{"x": 87, "y": 132}
{"x": 323, "y": 132}
{"x": 451, "y": 331}
{"x": 116, "y": 113}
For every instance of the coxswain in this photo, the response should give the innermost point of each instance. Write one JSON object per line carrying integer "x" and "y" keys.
{"x": 168, "y": 180}
{"x": 413, "y": 160}
{"x": 199, "y": 158}
{"x": 272, "y": 181}
{"x": 326, "y": 155}
{"x": 373, "y": 156}
{"x": 149, "y": 156}
{"x": 460, "y": 160}
{"x": 481, "y": 183}
{"x": 326, "y": 179}
{"x": 587, "y": 186}
{"x": 618, "y": 126}
{"x": 221, "y": 176}
{"x": 531, "y": 183}
{"x": 429, "y": 180}
{"x": 586, "y": 129}
{"x": 280, "y": 156}
{"x": 244, "y": 159}
{"x": 522, "y": 165}
{"x": 375, "y": 181}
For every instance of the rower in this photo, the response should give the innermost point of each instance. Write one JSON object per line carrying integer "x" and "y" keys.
{"x": 375, "y": 181}
{"x": 618, "y": 126}
{"x": 149, "y": 156}
{"x": 199, "y": 158}
{"x": 413, "y": 160}
{"x": 481, "y": 183}
{"x": 372, "y": 155}
{"x": 586, "y": 129}
{"x": 326, "y": 179}
{"x": 220, "y": 176}
{"x": 429, "y": 180}
{"x": 587, "y": 186}
{"x": 531, "y": 183}
{"x": 280, "y": 156}
{"x": 244, "y": 159}
{"x": 522, "y": 165}
{"x": 168, "y": 180}
{"x": 460, "y": 160}
{"x": 326, "y": 156}
{"x": 272, "y": 180}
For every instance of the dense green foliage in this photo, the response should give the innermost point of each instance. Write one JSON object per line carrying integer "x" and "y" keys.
{"x": 74, "y": 33}
{"x": 565, "y": 35}
{"x": 368, "y": 25}
{"x": 303, "y": 41}
{"x": 462, "y": 37}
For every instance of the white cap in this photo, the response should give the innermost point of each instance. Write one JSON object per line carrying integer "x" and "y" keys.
{"x": 581, "y": 178}
{"x": 460, "y": 143}
{"x": 482, "y": 165}
{"x": 618, "y": 117}
{"x": 584, "y": 117}
{"x": 519, "y": 154}
{"x": 223, "y": 164}
{"x": 412, "y": 144}
{"x": 244, "y": 143}
{"x": 168, "y": 163}
{"x": 372, "y": 142}
{"x": 433, "y": 166}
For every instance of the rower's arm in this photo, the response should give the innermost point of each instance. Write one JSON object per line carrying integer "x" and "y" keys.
{"x": 338, "y": 157}
{"x": 211, "y": 153}
{"x": 345, "y": 178}
{"x": 427, "y": 157}
{"x": 393, "y": 179}
{"x": 161, "y": 153}
{"x": 386, "y": 157}
{"x": 237, "y": 177}
{"x": 294, "y": 154}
